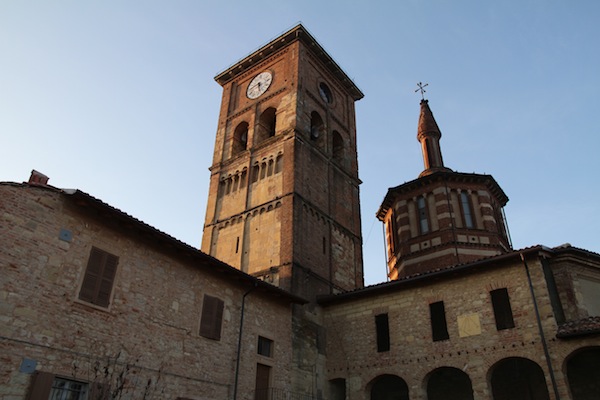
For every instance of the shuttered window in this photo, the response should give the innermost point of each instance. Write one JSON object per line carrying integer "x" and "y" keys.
{"x": 212, "y": 317}
{"x": 46, "y": 385}
{"x": 99, "y": 278}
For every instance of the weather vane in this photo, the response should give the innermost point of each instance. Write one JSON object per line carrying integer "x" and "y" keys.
{"x": 422, "y": 89}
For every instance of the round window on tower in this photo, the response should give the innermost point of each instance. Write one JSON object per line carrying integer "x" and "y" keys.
{"x": 325, "y": 93}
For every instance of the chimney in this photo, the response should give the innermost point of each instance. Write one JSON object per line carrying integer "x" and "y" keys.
{"x": 37, "y": 178}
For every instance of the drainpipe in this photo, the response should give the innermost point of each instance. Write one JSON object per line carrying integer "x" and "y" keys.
{"x": 239, "y": 346}
{"x": 541, "y": 330}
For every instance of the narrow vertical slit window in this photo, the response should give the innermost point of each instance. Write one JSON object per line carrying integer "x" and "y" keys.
{"x": 423, "y": 217}
{"x": 382, "y": 328}
{"x": 439, "y": 327}
{"x": 466, "y": 209}
{"x": 502, "y": 309}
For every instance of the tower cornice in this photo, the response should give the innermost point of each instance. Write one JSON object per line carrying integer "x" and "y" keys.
{"x": 416, "y": 186}
{"x": 297, "y": 33}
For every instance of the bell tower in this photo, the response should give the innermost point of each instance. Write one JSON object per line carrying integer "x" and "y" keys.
{"x": 283, "y": 201}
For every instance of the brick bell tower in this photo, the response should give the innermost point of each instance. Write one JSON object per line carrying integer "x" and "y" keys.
{"x": 443, "y": 218}
{"x": 283, "y": 203}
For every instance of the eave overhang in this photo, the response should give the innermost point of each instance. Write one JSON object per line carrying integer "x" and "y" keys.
{"x": 433, "y": 276}
{"x": 161, "y": 241}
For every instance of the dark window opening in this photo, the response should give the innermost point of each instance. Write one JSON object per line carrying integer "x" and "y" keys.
{"x": 383, "y": 332}
{"x": 502, "y": 309}
{"x": 99, "y": 277}
{"x": 316, "y": 126}
{"x": 212, "y": 317}
{"x": 265, "y": 347}
{"x": 240, "y": 138}
{"x": 439, "y": 327}
{"x": 266, "y": 125}
{"x": 337, "y": 146}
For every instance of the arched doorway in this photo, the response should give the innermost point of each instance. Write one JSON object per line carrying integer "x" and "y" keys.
{"x": 518, "y": 378}
{"x": 583, "y": 373}
{"x": 389, "y": 387}
{"x": 447, "y": 383}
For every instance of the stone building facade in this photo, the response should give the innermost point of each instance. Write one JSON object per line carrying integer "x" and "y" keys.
{"x": 165, "y": 323}
{"x": 95, "y": 304}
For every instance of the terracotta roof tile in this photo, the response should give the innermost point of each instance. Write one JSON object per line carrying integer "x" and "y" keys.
{"x": 586, "y": 326}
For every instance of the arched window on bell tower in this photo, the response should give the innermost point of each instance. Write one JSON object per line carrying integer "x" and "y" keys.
{"x": 337, "y": 147}
{"x": 266, "y": 125}
{"x": 240, "y": 138}
{"x": 317, "y": 127}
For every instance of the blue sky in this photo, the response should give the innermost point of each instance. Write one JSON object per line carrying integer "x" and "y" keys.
{"x": 117, "y": 98}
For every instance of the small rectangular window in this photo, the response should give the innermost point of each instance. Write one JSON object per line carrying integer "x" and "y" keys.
{"x": 502, "y": 309}
{"x": 439, "y": 328}
{"x": 265, "y": 347}
{"x": 383, "y": 332}
{"x": 99, "y": 277}
{"x": 212, "y": 317}
{"x": 46, "y": 385}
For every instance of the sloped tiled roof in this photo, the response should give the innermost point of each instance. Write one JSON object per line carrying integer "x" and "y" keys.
{"x": 586, "y": 326}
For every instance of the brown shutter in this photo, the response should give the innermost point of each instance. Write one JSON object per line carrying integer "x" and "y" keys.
{"x": 99, "y": 277}
{"x": 212, "y": 317}
{"x": 40, "y": 386}
{"x": 108, "y": 277}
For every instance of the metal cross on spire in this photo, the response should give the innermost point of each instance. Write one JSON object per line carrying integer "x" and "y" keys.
{"x": 422, "y": 89}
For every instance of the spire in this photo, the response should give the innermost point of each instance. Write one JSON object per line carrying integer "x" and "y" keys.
{"x": 429, "y": 135}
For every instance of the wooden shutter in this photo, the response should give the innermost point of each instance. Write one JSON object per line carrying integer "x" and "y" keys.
{"x": 41, "y": 385}
{"x": 212, "y": 317}
{"x": 99, "y": 277}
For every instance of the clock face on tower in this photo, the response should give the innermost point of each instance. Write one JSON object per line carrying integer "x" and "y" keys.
{"x": 259, "y": 84}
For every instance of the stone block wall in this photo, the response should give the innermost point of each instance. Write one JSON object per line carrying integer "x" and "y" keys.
{"x": 152, "y": 322}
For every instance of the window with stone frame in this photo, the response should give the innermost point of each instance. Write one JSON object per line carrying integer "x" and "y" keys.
{"x": 439, "y": 327}
{"x": 502, "y": 309}
{"x": 99, "y": 277}
{"x": 212, "y": 317}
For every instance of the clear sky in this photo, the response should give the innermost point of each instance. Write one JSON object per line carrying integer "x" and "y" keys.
{"x": 117, "y": 99}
